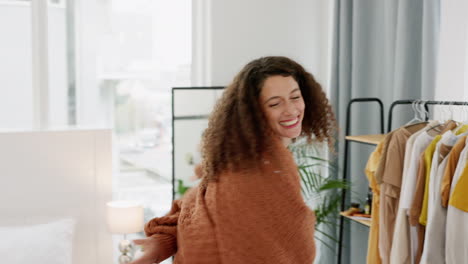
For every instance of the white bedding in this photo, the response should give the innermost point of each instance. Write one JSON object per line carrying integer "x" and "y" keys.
{"x": 50, "y": 175}
{"x": 49, "y": 243}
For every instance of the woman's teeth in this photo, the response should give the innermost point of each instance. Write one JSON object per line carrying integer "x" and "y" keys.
{"x": 289, "y": 123}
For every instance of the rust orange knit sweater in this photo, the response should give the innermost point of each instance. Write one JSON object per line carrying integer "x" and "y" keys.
{"x": 256, "y": 216}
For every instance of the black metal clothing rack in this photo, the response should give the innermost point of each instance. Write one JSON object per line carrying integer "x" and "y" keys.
{"x": 345, "y": 165}
{"x": 425, "y": 104}
{"x": 389, "y": 128}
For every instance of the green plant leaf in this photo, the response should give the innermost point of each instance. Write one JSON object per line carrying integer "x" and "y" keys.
{"x": 334, "y": 184}
{"x": 326, "y": 244}
{"x": 328, "y": 189}
{"x": 181, "y": 188}
{"x": 327, "y": 235}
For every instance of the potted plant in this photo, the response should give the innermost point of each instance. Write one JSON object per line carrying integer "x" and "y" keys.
{"x": 321, "y": 189}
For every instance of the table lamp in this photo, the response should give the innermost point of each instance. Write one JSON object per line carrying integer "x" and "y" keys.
{"x": 125, "y": 217}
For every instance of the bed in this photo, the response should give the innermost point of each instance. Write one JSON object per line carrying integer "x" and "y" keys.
{"x": 53, "y": 191}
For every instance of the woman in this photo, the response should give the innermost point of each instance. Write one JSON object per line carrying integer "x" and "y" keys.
{"x": 248, "y": 207}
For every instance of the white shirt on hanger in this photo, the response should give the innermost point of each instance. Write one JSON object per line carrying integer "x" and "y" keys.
{"x": 434, "y": 241}
{"x": 456, "y": 240}
{"x": 409, "y": 179}
{"x": 401, "y": 248}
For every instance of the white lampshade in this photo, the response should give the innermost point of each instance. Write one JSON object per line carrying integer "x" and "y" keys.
{"x": 124, "y": 217}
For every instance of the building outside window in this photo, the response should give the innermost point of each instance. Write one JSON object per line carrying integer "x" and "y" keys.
{"x": 109, "y": 64}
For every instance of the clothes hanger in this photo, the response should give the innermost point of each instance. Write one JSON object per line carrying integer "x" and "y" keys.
{"x": 463, "y": 118}
{"x": 425, "y": 112}
{"x": 463, "y": 114}
{"x": 436, "y": 129}
{"x": 451, "y": 106}
{"x": 450, "y": 120}
{"x": 416, "y": 119}
{"x": 444, "y": 122}
{"x": 418, "y": 122}
{"x": 449, "y": 112}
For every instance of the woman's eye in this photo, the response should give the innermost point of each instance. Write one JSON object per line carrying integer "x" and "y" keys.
{"x": 273, "y": 105}
{"x": 296, "y": 97}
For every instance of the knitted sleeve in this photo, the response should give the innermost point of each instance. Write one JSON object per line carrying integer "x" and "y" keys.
{"x": 164, "y": 232}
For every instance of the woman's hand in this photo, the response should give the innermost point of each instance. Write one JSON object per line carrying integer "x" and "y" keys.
{"x": 150, "y": 251}
{"x": 156, "y": 248}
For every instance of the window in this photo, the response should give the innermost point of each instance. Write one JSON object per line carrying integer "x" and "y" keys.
{"x": 129, "y": 56}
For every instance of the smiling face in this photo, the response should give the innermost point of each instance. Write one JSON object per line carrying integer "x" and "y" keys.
{"x": 281, "y": 101}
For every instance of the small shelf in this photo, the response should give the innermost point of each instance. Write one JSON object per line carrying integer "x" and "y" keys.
{"x": 368, "y": 139}
{"x": 361, "y": 220}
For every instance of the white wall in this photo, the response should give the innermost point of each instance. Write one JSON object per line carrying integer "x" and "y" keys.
{"x": 243, "y": 30}
{"x": 15, "y": 67}
{"x": 452, "y": 67}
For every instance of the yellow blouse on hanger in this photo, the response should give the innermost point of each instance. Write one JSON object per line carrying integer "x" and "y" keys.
{"x": 428, "y": 162}
{"x": 373, "y": 256}
{"x": 461, "y": 129}
{"x": 459, "y": 198}
{"x": 450, "y": 170}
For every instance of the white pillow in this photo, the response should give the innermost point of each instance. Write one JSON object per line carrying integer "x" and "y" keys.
{"x": 49, "y": 243}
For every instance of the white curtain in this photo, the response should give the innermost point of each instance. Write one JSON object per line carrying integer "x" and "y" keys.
{"x": 452, "y": 68}
{"x": 384, "y": 49}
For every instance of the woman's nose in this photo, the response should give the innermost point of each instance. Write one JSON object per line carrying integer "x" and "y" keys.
{"x": 290, "y": 109}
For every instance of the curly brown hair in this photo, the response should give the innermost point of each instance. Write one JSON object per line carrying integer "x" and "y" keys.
{"x": 238, "y": 133}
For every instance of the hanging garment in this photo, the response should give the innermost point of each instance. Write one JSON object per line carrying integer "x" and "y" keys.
{"x": 452, "y": 161}
{"x": 409, "y": 187}
{"x": 421, "y": 142}
{"x": 459, "y": 198}
{"x": 434, "y": 238}
{"x": 433, "y": 170}
{"x": 424, "y": 166}
{"x": 456, "y": 242}
{"x": 417, "y": 230}
{"x": 383, "y": 157}
{"x": 390, "y": 171}
{"x": 373, "y": 255}
{"x": 401, "y": 246}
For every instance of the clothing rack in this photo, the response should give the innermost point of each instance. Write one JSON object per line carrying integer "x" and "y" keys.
{"x": 374, "y": 140}
{"x": 362, "y": 140}
{"x": 425, "y": 104}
